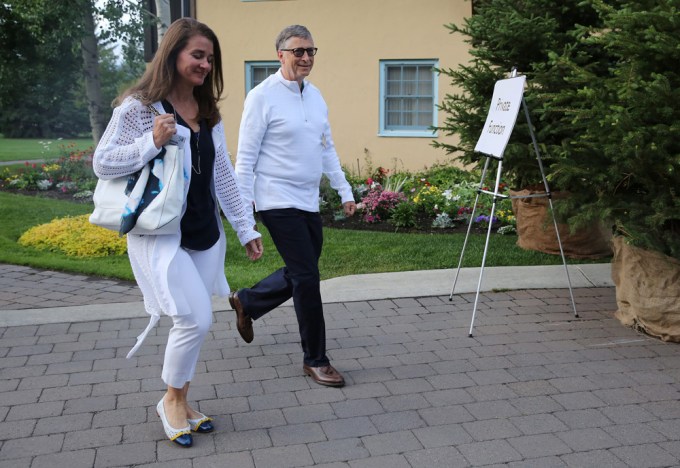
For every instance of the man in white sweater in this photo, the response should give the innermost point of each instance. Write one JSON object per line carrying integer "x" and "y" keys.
{"x": 285, "y": 145}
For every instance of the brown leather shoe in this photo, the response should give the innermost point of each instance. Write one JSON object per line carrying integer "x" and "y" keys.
{"x": 324, "y": 375}
{"x": 244, "y": 323}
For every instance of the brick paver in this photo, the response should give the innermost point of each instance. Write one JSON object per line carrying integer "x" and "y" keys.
{"x": 532, "y": 387}
{"x": 27, "y": 288}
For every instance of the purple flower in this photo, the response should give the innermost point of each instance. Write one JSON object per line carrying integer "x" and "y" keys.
{"x": 484, "y": 219}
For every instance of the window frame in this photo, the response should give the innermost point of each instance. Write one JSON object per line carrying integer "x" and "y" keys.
{"x": 416, "y": 133}
{"x": 250, "y": 64}
{"x": 177, "y": 9}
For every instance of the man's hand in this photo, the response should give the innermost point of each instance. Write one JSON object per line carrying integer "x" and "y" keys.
{"x": 254, "y": 249}
{"x": 349, "y": 208}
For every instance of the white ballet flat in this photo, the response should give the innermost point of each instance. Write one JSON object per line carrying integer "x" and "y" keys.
{"x": 202, "y": 424}
{"x": 181, "y": 437}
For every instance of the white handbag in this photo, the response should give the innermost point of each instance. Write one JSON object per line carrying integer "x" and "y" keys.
{"x": 148, "y": 202}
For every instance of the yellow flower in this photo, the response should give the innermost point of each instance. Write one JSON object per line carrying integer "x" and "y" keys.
{"x": 51, "y": 167}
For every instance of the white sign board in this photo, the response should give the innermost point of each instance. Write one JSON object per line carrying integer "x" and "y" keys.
{"x": 507, "y": 97}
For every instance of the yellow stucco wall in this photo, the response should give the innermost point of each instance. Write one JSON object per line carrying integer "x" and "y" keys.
{"x": 352, "y": 37}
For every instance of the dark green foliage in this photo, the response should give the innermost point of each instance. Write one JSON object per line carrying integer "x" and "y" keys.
{"x": 624, "y": 157}
{"x": 504, "y": 34}
{"x": 404, "y": 215}
{"x": 38, "y": 70}
{"x": 603, "y": 93}
{"x": 444, "y": 175}
{"x": 42, "y": 93}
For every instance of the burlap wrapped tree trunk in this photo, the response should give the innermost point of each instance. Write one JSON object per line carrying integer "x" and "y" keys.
{"x": 536, "y": 231}
{"x": 647, "y": 290}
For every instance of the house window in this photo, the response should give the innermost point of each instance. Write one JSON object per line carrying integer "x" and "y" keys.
{"x": 408, "y": 96}
{"x": 257, "y": 72}
{"x": 165, "y": 11}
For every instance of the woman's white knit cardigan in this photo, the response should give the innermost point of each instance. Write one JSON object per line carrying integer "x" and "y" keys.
{"x": 125, "y": 147}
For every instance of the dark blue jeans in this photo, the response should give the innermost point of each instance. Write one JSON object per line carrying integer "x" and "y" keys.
{"x": 298, "y": 237}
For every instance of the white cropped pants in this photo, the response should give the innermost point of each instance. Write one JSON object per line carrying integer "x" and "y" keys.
{"x": 191, "y": 277}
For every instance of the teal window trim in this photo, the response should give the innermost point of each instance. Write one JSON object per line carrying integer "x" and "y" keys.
{"x": 251, "y": 66}
{"x": 399, "y": 93}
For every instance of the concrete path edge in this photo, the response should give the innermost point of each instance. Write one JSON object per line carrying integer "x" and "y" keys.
{"x": 366, "y": 287}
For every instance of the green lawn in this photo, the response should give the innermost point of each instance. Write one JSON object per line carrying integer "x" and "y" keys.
{"x": 345, "y": 252}
{"x": 20, "y": 149}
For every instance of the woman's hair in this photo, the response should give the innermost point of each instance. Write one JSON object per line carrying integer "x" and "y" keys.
{"x": 161, "y": 74}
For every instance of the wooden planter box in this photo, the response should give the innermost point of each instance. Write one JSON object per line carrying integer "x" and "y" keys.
{"x": 647, "y": 290}
{"x": 536, "y": 231}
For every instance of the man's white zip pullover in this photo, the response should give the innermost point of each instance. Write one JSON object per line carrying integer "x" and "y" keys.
{"x": 285, "y": 145}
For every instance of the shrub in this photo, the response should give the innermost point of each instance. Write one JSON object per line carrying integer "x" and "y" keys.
{"x": 74, "y": 236}
{"x": 429, "y": 199}
{"x": 379, "y": 175}
{"x": 329, "y": 200}
{"x": 505, "y": 214}
{"x": 378, "y": 203}
{"x": 444, "y": 175}
{"x": 28, "y": 177}
{"x": 404, "y": 215}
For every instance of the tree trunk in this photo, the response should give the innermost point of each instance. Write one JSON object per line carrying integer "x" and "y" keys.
{"x": 93, "y": 89}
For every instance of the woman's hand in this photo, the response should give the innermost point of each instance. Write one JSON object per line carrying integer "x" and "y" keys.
{"x": 164, "y": 127}
{"x": 254, "y": 249}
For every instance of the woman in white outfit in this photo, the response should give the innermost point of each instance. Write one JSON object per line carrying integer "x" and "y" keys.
{"x": 178, "y": 273}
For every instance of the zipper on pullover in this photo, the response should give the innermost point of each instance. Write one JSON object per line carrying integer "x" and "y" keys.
{"x": 304, "y": 109}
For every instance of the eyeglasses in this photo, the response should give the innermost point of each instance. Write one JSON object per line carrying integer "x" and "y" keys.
{"x": 300, "y": 51}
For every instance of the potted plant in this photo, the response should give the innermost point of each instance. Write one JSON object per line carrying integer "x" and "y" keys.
{"x": 625, "y": 158}
{"x": 524, "y": 34}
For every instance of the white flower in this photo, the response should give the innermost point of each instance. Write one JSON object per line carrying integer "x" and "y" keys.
{"x": 44, "y": 184}
{"x": 443, "y": 220}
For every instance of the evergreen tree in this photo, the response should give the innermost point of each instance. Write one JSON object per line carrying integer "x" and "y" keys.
{"x": 504, "y": 34}
{"x": 623, "y": 159}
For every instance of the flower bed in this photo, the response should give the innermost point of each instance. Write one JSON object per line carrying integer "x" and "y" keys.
{"x": 69, "y": 176}
{"x": 436, "y": 200}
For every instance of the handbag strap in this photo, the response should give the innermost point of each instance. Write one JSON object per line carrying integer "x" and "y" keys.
{"x": 153, "y": 110}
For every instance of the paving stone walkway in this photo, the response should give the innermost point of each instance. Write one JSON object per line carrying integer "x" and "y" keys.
{"x": 30, "y": 288}
{"x": 533, "y": 387}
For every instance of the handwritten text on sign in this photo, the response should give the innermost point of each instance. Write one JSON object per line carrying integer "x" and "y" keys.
{"x": 505, "y": 103}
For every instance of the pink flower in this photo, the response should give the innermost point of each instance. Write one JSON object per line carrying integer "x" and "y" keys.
{"x": 378, "y": 203}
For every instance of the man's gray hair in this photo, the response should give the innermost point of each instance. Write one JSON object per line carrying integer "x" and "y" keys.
{"x": 294, "y": 30}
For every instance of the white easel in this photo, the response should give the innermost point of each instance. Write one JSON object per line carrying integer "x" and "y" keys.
{"x": 508, "y": 95}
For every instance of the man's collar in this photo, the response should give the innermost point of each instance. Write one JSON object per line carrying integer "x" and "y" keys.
{"x": 292, "y": 85}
